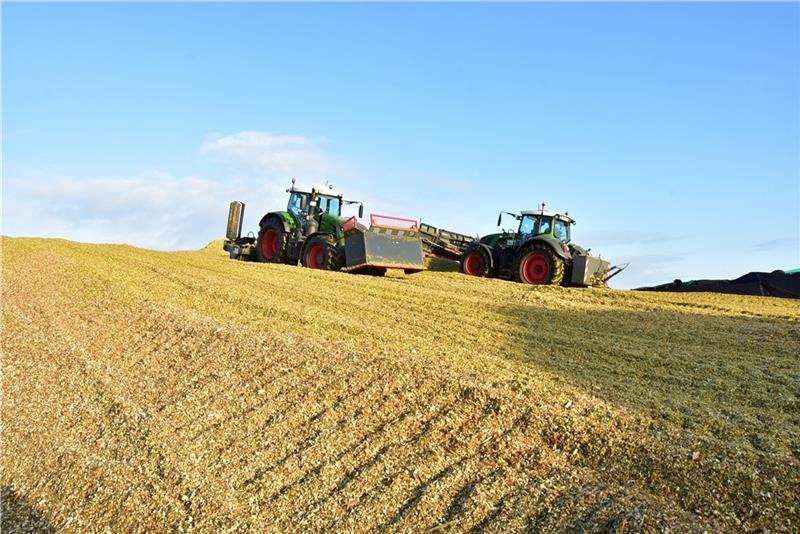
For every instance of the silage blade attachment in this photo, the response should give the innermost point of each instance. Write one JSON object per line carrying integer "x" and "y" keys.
{"x": 389, "y": 243}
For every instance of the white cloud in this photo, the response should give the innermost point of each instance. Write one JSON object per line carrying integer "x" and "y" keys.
{"x": 153, "y": 210}
{"x": 159, "y": 210}
{"x": 271, "y": 155}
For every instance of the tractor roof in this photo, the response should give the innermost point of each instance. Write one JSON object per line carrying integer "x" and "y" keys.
{"x": 561, "y": 216}
{"x": 322, "y": 189}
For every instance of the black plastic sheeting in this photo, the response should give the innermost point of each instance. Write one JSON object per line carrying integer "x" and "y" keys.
{"x": 775, "y": 284}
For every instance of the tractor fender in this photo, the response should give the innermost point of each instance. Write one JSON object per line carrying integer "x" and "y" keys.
{"x": 560, "y": 249}
{"x": 275, "y": 215}
{"x": 477, "y": 245}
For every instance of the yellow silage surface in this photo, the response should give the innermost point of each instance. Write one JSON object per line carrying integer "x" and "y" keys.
{"x": 207, "y": 394}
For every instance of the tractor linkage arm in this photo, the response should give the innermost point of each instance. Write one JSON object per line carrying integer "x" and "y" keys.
{"x": 615, "y": 270}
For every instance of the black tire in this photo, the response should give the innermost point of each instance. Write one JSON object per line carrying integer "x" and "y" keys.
{"x": 537, "y": 264}
{"x": 271, "y": 243}
{"x": 321, "y": 252}
{"x": 476, "y": 262}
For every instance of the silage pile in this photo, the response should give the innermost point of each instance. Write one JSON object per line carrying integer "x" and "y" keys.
{"x": 149, "y": 391}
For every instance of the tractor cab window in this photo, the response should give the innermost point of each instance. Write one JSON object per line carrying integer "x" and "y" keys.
{"x": 562, "y": 231}
{"x": 528, "y": 225}
{"x": 331, "y": 205}
{"x": 297, "y": 203}
{"x": 534, "y": 225}
{"x": 544, "y": 225}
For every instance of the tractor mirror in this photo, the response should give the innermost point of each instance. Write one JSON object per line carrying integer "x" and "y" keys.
{"x": 499, "y": 219}
{"x": 361, "y": 211}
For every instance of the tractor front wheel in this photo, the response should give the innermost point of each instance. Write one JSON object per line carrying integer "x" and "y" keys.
{"x": 538, "y": 265}
{"x": 321, "y": 252}
{"x": 271, "y": 244}
{"x": 476, "y": 262}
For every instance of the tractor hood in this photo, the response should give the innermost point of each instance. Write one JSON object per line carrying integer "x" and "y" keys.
{"x": 492, "y": 239}
{"x": 330, "y": 224}
{"x": 488, "y": 238}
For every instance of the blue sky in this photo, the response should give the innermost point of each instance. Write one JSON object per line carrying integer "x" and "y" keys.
{"x": 669, "y": 131}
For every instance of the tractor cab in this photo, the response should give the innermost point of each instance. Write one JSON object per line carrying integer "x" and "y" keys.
{"x": 318, "y": 208}
{"x": 545, "y": 223}
{"x": 325, "y": 198}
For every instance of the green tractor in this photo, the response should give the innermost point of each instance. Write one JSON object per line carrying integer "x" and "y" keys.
{"x": 313, "y": 232}
{"x": 541, "y": 251}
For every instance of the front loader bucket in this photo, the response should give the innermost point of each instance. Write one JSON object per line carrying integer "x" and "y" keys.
{"x": 389, "y": 243}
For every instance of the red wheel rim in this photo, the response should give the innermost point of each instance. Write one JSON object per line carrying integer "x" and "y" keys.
{"x": 535, "y": 268}
{"x": 315, "y": 258}
{"x": 473, "y": 264}
{"x": 269, "y": 244}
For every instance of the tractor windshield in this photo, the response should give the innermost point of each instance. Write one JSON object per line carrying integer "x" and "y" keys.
{"x": 562, "y": 231}
{"x": 528, "y": 225}
{"x": 534, "y": 225}
{"x": 544, "y": 225}
{"x": 297, "y": 203}
{"x": 330, "y": 205}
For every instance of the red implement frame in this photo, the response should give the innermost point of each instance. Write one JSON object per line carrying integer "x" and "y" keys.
{"x": 350, "y": 223}
{"x": 395, "y": 223}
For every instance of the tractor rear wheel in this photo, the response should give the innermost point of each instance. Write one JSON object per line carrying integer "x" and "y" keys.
{"x": 271, "y": 244}
{"x": 321, "y": 252}
{"x": 476, "y": 262}
{"x": 538, "y": 265}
